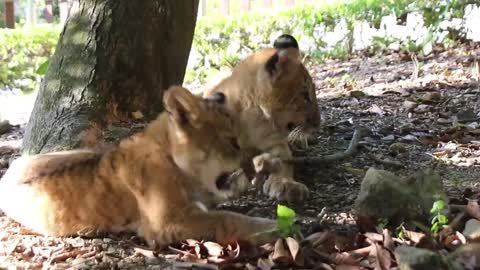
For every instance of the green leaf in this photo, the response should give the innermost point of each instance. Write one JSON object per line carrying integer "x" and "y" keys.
{"x": 434, "y": 219}
{"x": 442, "y": 219}
{"x": 285, "y": 220}
{"x": 435, "y": 228}
{"x": 439, "y": 205}
{"x": 285, "y": 213}
{"x": 43, "y": 68}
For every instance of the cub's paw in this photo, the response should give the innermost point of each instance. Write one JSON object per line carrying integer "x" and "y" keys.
{"x": 266, "y": 163}
{"x": 284, "y": 189}
{"x": 239, "y": 184}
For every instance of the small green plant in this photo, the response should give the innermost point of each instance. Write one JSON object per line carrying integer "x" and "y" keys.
{"x": 400, "y": 231}
{"x": 439, "y": 220}
{"x": 286, "y": 222}
{"x": 331, "y": 81}
{"x": 382, "y": 223}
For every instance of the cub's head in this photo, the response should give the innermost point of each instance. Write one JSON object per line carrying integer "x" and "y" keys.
{"x": 286, "y": 88}
{"x": 203, "y": 142}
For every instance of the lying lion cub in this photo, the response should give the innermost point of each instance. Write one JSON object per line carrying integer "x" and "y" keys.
{"x": 154, "y": 183}
{"x": 273, "y": 98}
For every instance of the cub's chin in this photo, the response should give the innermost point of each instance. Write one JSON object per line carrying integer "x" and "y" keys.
{"x": 228, "y": 185}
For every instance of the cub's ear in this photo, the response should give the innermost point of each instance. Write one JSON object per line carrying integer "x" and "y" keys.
{"x": 283, "y": 63}
{"x": 184, "y": 107}
{"x": 285, "y": 41}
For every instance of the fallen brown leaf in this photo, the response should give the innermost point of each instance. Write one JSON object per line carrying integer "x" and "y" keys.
{"x": 265, "y": 263}
{"x": 383, "y": 258}
{"x": 214, "y": 249}
{"x": 322, "y": 241}
{"x": 415, "y": 237}
{"x": 281, "y": 253}
{"x": 388, "y": 240}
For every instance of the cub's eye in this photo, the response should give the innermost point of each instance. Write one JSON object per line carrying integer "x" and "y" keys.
{"x": 234, "y": 143}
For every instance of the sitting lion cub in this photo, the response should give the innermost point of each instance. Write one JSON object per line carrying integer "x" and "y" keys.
{"x": 273, "y": 98}
{"x": 154, "y": 183}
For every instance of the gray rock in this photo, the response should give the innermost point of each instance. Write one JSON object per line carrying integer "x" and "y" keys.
{"x": 388, "y": 196}
{"x": 423, "y": 108}
{"x": 412, "y": 258}
{"x": 472, "y": 229}
{"x": 388, "y": 139}
{"x": 466, "y": 257}
{"x": 409, "y": 105}
{"x": 397, "y": 148}
{"x": 5, "y": 127}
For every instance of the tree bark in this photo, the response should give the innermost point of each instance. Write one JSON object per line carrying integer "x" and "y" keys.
{"x": 9, "y": 14}
{"x": 48, "y": 11}
{"x": 113, "y": 58}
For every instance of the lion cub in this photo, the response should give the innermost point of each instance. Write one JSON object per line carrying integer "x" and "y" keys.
{"x": 154, "y": 183}
{"x": 273, "y": 98}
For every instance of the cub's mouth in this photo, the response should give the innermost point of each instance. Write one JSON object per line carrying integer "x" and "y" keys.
{"x": 301, "y": 135}
{"x": 226, "y": 179}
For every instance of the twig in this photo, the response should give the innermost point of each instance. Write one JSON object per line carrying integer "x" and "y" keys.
{"x": 387, "y": 162}
{"x": 149, "y": 253}
{"x": 71, "y": 254}
{"x": 351, "y": 150}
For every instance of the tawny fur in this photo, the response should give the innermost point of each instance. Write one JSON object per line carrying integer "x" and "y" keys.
{"x": 273, "y": 99}
{"x": 152, "y": 183}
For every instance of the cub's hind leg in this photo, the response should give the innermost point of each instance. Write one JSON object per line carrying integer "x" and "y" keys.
{"x": 220, "y": 226}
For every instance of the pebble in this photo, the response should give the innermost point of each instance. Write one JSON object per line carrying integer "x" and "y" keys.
{"x": 388, "y": 139}
{"x": 97, "y": 242}
{"x": 409, "y": 105}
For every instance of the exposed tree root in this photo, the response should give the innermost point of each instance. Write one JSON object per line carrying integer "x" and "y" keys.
{"x": 316, "y": 160}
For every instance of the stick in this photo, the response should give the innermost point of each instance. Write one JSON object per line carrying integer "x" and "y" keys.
{"x": 351, "y": 150}
{"x": 387, "y": 162}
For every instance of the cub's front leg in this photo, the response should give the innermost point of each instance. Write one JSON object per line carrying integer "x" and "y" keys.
{"x": 279, "y": 184}
{"x": 221, "y": 226}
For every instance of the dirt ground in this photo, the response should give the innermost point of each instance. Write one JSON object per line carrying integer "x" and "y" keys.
{"x": 430, "y": 107}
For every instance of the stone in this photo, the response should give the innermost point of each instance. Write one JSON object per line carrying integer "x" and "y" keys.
{"x": 388, "y": 139}
{"x": 468, "y": 256}
{"x": 472, "y": 229}
{"x": 397, "y": 148}
{"x": 423, "y": 108}
{"x": 384, "y": 195}
{"x": 431, "y": 97}
{"x": 409, "y": 105}
{"x": 412, "y": 258}
{"x": 356, "y": 93}
{"x": 5, "y": 126}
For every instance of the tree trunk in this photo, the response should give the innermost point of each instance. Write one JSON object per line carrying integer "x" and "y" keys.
{"x": 225, "y": 7}
{"x": 48, "y": 11}
{"x": 31, "y": 13}
{"x": 63, "y": 7}
{"x": 113, "y": 58}
{"x": 9, "y": 14}
{"x": 245, "y": 5}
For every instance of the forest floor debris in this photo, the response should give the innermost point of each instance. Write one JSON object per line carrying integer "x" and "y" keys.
{"x": 412, "y": 119}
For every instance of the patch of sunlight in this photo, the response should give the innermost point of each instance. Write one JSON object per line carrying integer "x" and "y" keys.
{"x": 77, "y": 70}
{"x": 79, "y": 38}
{"x": 16, "y": 107}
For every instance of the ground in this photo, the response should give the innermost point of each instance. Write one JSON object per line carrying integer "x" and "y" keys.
{"x": 429, "y": 108}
